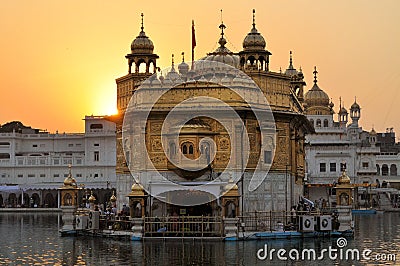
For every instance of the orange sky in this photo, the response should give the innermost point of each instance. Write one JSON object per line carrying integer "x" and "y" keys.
{"x": 59, "y": 59}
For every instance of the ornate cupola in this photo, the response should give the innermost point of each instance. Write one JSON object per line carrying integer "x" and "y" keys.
{"x": 343, "y": 115}
{"x": 291, "y": 71}
{"x": 222, "y": 54}
{"x": 316, "y": 100}
{"x": 254, "y": 55}
{"x": 183, "y": 67}
{"x": 296, "y": 80}
{"x": 355, "y": 113}
{"x": 142, "y": 52}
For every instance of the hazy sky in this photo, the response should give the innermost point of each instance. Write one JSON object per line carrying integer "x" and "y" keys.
{"x": 59, "y": 59}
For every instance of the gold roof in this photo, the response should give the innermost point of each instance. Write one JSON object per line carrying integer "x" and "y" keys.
{"x": 137, "y": 190}
{"x": 69, "y": 181}
{"x": 113, "y": 198}
{"x": 254, "y": 40}
{"x": 142, "y": 44}
{"x": 92, "y": 198}
{"x": 316, "y": 96}
{"x": 231, "y": 189}
{"x": 344, "y": 179}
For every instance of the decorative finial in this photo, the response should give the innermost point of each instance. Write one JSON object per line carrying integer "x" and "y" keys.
{"x": 142, "y": 22}
{"x": 340, "y": 103}
{"x": 300, "y": 70}
{"x": 172, "y": 60}
{"x": 254, "y": 18}
{"x": 280, "y": 70}
{"x": 69, "y": 169}
{"x": 222, "y": 27}
{"x": 222, "y": 21}
{"x": 355, "y": 99}
{"x": 183, "y": 57}
{"x": 290, "y": 60}
{"x": 315, "y": 74}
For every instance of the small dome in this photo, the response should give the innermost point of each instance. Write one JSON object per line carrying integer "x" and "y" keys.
{"x": 183, "y": 68}
{"x": 136, "y": 187}
{"x": 254, "y": 40}
{"x": 343, "y": 111}
{"x": 142, "y": 44}
{"x": 69, "y": 181}
{"x": 230, "y": 186}
{"x": 113, "y": 198}
{"x": 291, "y": 71}
{"x": 92, "y": 198}
{"x": 316, "y": 96}
{"x": 373, "y": 132}
{"x": 344, "y": 179}
{"x": 223, "y": 54}
{"x": 137, "y": 190}
{"x": 355, "y": 105}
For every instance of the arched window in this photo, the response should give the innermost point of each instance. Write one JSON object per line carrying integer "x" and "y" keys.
{"x": 190, "y": 149}
{"x": 326, "y": 123}
{"x": 187, "y": 148}
{"x": 378, "y": 170}
{"x": 393, "y": 170}
{"x": 318, "y": 123}
{"x": 385, "y": 170}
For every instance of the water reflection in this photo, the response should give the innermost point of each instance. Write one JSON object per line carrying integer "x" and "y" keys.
{"x": 32, "y": 238}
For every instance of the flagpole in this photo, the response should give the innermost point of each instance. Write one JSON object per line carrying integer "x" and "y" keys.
{"x": 193, "y": 43}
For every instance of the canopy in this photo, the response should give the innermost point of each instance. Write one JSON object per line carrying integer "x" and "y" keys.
{"x": 10, "y": 189}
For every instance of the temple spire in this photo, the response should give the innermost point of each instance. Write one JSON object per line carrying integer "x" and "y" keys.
{"x": 315, "y": 74}
{"x": 254, "y": 18}
{"x": 142, "y": 27}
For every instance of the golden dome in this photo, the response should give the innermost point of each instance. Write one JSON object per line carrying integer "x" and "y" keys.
{"x": 137, "y": 190}
{"x": 355, "y": 105}
{"x": 136, "y": 187}
{"x": 316, "y": 96}
{"x": 342, "y": 111}
{"x": 92, "y": 198}
{"x": 344, "y": 179}
{"x": 113, "y": 198}
{"x": 69, "y": 181}
{"x": 230, "y": 186}
{"x": 221, "y": 54}
{"x": 254, "y": 40}
{"x": 142, "y": 44}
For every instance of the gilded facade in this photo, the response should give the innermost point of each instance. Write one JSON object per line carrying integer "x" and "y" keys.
{"x": 214, "y": 145}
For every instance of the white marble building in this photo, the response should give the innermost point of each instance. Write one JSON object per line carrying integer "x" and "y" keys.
{"x": 388, "y": 161}
{"x": 336, "y": 145}
{"x": 33, "y": 163}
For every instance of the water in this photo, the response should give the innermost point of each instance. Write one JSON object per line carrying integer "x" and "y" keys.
{"x": 32, "y": 238}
